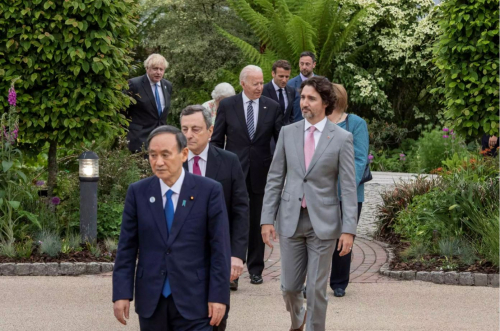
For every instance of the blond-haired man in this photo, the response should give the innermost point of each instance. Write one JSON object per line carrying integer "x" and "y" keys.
{"x": 152, "y": 94}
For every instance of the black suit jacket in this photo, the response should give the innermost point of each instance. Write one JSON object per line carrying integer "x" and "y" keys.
{"x": 231, "y": 130}
{"x": 270, "y": 92}
{"x": 224, "y": 167}
{"x": 143, "y": 115}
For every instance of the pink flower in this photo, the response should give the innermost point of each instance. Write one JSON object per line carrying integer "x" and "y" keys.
{"x": 55, "y": 201}
{"x": 445, "y": 136}
{"x": 446, "y": 129}
{"x": 402, "y": 157}
{"x": 370, "y": 158}
{"x": 40, "y": 183}
{"x": 12, "y": 96}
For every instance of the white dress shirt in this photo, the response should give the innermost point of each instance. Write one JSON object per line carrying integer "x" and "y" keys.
{"x": 202, "y": 162}
{"x": 160, "y": 93}
{"x": 320, "y": 126}
{"x": 176, "y": 188}
{"x": 255, "y": 106}
{"x": 285, "y": 96}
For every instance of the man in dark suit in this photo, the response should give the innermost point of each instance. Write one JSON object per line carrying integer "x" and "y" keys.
{"x": 223, "y": 166}
{"x": 178, "y": 224}
{"x": 307, "y": 63}
{"x": 245, "y": 124}
{"x": 277, "y": 89}
{"x": 152, "y": 94}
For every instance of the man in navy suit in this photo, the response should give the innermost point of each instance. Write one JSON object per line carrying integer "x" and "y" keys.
{"x": 224, "y": 167}
{"x": 177, "y": 223}
{"x": 278, "y": 90}
{"x": 307, "y": 63}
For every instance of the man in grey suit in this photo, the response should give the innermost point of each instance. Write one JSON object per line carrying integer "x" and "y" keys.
{"x": 310, "y": 157}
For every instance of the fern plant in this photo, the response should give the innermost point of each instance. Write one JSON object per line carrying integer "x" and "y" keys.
{"x": 287, "y": 28}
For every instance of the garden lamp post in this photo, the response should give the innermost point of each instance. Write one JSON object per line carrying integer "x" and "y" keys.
{"x": 89, "y": 176}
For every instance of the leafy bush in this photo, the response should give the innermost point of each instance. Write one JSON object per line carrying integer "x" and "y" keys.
{"x": 94, "y": 249}
{"x": 109, "y": 219}
{"x": 24, "y": 249}
{"x": 7, "y": 250}
{"x": 397, "y": 199}
{"x": 111, "y": 244}
{"x": 50, "y": 243}
{"x": 467, "y": 57}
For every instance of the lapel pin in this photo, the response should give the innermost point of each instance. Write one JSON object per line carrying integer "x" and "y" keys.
{"x": 328, "y": 137}
{"x": 152, "y": 199}
{"x": 265, "y": 107}
{"x": 183, "y": 203}
{"x": 192, "y": 198}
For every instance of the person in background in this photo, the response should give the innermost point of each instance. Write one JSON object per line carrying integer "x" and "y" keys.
{"x": 489, "y": 145}
{"x": 152, "y": 94}
{"x": 278, "y": 90}
{"x": 339, "y": 277}
{"x": 220, "y": 92}
{"x": 307, "y": 63}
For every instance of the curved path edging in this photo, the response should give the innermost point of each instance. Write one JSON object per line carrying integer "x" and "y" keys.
{"x": 55, "y": 268}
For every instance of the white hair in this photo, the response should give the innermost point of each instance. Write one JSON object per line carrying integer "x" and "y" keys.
{"x": 223, "y": 90}
{"x": 248, "y": 69}
{"x": 155, "y": 59}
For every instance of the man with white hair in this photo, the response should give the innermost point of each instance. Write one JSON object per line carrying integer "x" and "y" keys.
{"x": 152, "y": 94}
{"x": 244, "y": 125}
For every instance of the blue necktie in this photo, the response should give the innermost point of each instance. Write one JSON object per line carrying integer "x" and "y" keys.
{"x": 281, "y": 100}
{"x": 157, "y": 97}
{"x": 169, "y": 215}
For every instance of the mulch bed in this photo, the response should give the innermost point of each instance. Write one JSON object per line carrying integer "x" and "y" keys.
{"x": 436, "y": 263}
{"x": 82, "y": 256}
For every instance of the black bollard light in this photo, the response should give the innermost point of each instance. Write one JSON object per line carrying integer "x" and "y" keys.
{"x": 89, "y": 176}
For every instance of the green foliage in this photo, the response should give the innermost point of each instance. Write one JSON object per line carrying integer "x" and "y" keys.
{"x": 109, "y": 219}
{"x": 50, "y": 243}
{"x": 467, "y": 58}
{"x": 111, "y": 245}
{"x": 24, "y": 249}
{"x": 94, "y": 249}
{"x": 7, "y": 250}
{"x": 72, "y": 59}
{"x": 416, "y": 251}
{"x": 199, "y": 57}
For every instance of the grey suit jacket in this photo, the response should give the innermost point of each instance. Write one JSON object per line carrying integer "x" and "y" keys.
{"x": 288, "y": 181}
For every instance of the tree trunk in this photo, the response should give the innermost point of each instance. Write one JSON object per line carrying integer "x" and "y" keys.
{"x": 51, "y": 183}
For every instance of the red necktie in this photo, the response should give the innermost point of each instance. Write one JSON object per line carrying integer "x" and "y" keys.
{"x": 196, "y": 166}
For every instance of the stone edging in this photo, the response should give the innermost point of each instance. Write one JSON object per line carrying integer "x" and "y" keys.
{"x": 55, "y": 268}
{"x": 437, "y": 277}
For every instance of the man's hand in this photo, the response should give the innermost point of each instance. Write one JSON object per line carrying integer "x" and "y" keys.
{"x": 121, "y": 308}
{"x": 493, "y": 141}
{"x": 268, "y": 231}
{"x": 236, "y": 267}
{"x": 345, "y": 243}
{"x": 216, "y": 311}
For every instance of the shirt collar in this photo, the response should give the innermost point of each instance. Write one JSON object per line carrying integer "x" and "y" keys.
{"x": 176, "y": 188}
{"x": 304, "y": 77}
{"x": 246, "y": 99}
{"x": 276, "y": 87}
{"x": 153, "y": 84}
{"x": 320, "y": 126}
{"x": 203, "y": 155}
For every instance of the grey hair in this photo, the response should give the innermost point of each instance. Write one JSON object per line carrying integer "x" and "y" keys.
{"x": 155, "y": 59}
{"x": 223, "y": 90}
{"x": 193, "y": 109}
{"x": 181, "y": 139}
{"x": 248, "y": 69}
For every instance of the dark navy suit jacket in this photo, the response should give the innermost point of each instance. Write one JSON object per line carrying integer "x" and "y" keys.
{"x": 196, "y": 254}
{"x": 295, "y": 83}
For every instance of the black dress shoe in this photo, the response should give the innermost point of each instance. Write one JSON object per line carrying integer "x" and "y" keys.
{"x": 233, "y": 286}
{"x": 338, "y": 292}
{"x": 256, "y": 279}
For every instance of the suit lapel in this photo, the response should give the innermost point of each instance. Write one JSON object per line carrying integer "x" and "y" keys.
{"x": 299, "y": 144}
{"x": 289, "y": 93}
{"x": 272, "y": 91}
{"x": 262, "y": 115}
{"x": 186, "y": 165}
{"x": 324, "y": 140}
{"x": 213, "y": 163}
{"x": 155, "y": 202}
{"x": 146, "y": 85}
{"x": 183, "y": 208}
{"x": 240, "y": 113}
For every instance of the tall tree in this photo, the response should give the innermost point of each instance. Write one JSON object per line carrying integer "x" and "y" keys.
{"x": 72, "y": 59}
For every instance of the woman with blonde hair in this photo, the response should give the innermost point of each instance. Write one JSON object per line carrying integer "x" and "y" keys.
{"x": 339, "y": 277}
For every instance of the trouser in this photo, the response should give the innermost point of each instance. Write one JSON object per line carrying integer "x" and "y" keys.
{"x": 167, "y": 318}
{"x": 341, "y": 265}
{"x": 304, "y": 254}
{"x": 256, "y": 246}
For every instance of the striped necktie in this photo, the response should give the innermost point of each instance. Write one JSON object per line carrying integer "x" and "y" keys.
{"x": 250, "y": 120}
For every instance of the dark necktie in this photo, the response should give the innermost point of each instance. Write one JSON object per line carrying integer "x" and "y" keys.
{"x": 281, "y": 100}
{"x": 250, "y": 120}
{"x": 169, "y": 216}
